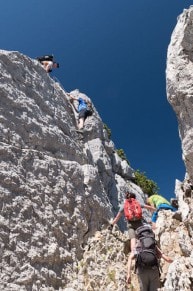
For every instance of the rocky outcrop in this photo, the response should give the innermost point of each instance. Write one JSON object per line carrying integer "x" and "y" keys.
{"x": 57, "y": 188}
{"x": 175, "y": 238}
{"x": 179, "y": 75}
{"x": 104, "y": 264}
{"x": 179, "y": 83}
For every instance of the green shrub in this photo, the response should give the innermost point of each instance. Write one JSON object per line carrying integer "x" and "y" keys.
{"x": 148, "y": 186}
{"x": 122, "y": 155}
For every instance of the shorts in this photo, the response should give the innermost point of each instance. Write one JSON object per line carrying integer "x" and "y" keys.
{"x": 132, "y": 226}
{"x": 83, "y": 113}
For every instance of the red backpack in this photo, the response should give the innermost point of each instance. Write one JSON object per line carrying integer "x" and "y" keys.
{"x": 132, "y": 209}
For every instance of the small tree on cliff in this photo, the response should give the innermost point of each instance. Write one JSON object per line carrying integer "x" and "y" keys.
{"x": 148, "y": 186}
{"x": 122, "y": 155}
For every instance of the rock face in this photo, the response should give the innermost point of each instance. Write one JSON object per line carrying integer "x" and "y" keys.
{"x": 179, "y": 83}
{"x": 104, "y": 264}
{"x": 57, "y": 188}
{"x": 179, "y": 76}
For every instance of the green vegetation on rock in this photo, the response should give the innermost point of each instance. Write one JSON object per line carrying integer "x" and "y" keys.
{"x": 148, "y": 186}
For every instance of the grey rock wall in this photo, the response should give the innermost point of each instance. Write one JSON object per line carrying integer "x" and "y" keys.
{"x": 56, "y": 189}
{"x": 179, "y": 76}
{"x": 104, "y": 264}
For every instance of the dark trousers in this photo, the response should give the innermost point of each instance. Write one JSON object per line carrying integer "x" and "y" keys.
{"x": 149, "y": 279}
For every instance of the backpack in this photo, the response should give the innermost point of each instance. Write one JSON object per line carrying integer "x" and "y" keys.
{"x": 45, "y": 58}
{"x": 146, "y": 249}
{"x": 132, "y": 209}
{"x": 89, "y": 109}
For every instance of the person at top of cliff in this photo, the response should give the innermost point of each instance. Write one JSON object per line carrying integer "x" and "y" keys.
{"x": 83, "y": 109}
{"x": 156, "y": 203}
{"x": 48, "y": 63}
{"x": 132, "y": 222}
{"x": 147, "y": 255}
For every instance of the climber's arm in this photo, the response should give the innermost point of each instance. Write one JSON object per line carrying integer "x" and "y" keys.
{"x": 117, "y": 217}
{"x": 149, "y": 207}
{"x": 72, "y": 98}
{"x": 166, "y": 258}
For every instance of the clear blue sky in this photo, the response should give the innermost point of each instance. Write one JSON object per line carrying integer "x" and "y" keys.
{"x": 115, "y": 52}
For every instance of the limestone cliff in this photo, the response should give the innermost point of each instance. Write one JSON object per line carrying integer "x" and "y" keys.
{"x": 59, "y": 189}
{"x": 56, "y": 189}
{"x": 179, "y": 76}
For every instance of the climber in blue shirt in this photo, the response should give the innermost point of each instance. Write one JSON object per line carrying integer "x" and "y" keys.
{"x": 82, "y": 104}
{"x": 83, "y": 111}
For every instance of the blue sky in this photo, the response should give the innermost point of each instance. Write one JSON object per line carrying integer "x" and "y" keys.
{"x": 115, "y": 52}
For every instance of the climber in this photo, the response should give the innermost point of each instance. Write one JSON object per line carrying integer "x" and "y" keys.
{"x": 132, "y": 222}
{"x": 147, "y": 256}
{"x": 155, "y": 203}
{"x": 48, "y": 63}
{"x": 84, "y": 110}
